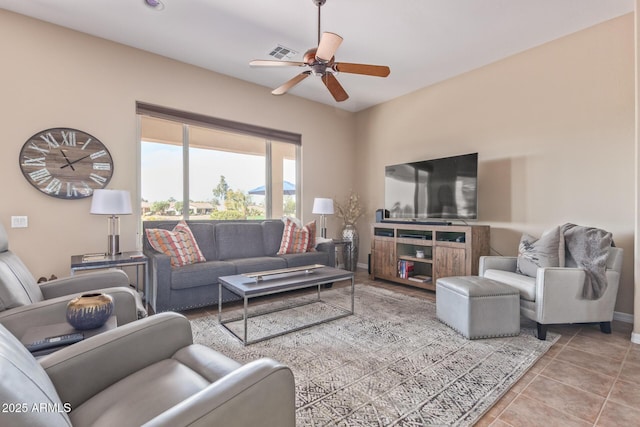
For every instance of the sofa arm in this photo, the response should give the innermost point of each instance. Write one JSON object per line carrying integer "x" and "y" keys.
{"x": 559, "y": 297}
{"x": 54, "y": 310}
{"x": 114, "y": 355}
{"x": 260, "y": 393}
{"x": 84, "y": 283}
{"x": 330, "y": 248}
{"x": 504, "y": 263}
{"x": 159, "y": 280}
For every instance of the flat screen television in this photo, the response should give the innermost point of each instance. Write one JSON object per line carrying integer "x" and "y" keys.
{"x": 445, "y": 188}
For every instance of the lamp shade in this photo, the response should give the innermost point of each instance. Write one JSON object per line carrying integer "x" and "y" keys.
{"x": 111, "y": 202}
{"x": 322, "y": 206}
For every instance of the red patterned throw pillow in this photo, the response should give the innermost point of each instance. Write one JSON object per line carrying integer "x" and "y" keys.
{"x": 311, "y": 226}
{"x": 296, "y": 239}
{"x": 179, "y": 244}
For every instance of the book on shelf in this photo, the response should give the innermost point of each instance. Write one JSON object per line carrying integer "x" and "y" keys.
{"x": 93, "y": 257}
{"x": 405, "y": 268}
{"x": 420, "y": 278}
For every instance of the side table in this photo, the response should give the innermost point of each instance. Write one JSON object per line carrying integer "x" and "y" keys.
{"x": 123, "y": 259}
{"x": 36, "y": 333}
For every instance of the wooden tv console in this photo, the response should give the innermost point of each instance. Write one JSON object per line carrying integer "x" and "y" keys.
{"x": 449, "y": 250}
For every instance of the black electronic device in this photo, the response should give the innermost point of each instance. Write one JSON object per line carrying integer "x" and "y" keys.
{"x": 412, "y": 235}
{"x": 54, "y": 342}
{"x": 381, "y": 215}
{"x": 445, "y": 188}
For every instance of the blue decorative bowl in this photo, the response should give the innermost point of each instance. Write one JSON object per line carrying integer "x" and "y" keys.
{"x": 89, "y": 311}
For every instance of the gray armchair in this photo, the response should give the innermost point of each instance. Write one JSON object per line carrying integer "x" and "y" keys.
{"x": 145, "y": 373}
{"x": 554, "y": 295}
{"x": 24, "y": 303}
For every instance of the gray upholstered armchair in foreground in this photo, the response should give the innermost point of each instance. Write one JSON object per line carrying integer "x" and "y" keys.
{"x": 24, "y": 303}
{"x": 555, "y": 294}
{"x": 146, "y": 373}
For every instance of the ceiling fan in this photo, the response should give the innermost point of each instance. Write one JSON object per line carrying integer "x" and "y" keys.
{"x": 320, "y": 61}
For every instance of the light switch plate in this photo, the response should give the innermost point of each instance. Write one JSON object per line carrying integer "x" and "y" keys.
{"x": 19, "y": 222}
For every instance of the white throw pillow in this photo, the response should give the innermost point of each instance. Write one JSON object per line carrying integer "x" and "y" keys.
{"x": 547, "y": 251}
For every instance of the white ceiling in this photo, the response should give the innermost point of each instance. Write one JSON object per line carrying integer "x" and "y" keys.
{"x": 422, "y": 41}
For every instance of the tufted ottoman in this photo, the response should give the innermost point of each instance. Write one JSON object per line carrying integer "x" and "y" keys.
{"x": 478, "y": 307}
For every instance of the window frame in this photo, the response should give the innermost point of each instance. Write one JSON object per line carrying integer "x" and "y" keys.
{"x": 188, "y": 119}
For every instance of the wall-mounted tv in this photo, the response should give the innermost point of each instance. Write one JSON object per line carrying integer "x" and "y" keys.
{"x": 445, "y": 188}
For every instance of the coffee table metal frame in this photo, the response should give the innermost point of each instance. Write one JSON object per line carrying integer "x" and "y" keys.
{"x": 269, "y": 283}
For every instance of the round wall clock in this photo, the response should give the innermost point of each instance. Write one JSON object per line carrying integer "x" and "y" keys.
{"x": 66, "y": 163}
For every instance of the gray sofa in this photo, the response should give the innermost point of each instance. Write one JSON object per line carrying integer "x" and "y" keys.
{"x": 230, "y": 247}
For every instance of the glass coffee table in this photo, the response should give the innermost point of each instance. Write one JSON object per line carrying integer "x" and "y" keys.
{"x": 253, "y": 285}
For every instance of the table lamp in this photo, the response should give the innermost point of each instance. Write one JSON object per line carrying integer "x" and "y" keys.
{"x": 323, "y": 207}
{"x": 112, "y": 203}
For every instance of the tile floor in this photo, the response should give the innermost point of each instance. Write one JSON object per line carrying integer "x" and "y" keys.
{"x": 586, "y": 379}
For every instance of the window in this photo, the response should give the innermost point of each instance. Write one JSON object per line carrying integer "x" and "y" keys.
{"x": 205, "y": 168}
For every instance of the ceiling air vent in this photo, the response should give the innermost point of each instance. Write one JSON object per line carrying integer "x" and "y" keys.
{"x": 281, "y": 52}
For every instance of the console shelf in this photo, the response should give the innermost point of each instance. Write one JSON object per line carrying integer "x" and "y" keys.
{"x": 449, "y": 250}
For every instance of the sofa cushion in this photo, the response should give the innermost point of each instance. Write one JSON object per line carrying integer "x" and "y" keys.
{"x": 179, "y": 244}
{"x": 200, "y": 274}
{"x": 239, "y": 240}
{"x": 207, "y": 362}
{"x": 272, "y": 236}
{"x": 547, "y": 251}
{"x": 135, "y": 400}
{"x": 205, "y": 237}
{"x": 250, "y": 265}
{"x": 526, "y": 285}
{"x": 307, "y": 258}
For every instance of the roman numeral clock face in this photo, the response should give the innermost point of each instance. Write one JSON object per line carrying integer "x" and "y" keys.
{"x": 66, "y": 163}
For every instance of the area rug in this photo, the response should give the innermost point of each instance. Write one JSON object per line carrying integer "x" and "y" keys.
{"x": 391, "y": 364}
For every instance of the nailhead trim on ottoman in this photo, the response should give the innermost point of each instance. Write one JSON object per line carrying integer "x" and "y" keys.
{"x": 478, "y": 307}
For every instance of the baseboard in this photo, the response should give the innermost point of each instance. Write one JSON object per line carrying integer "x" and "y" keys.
{"x": 635, "y": 338}
{"x": 623, "y": 317}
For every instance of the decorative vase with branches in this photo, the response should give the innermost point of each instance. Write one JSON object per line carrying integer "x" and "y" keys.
{"x": 350, "y": 211}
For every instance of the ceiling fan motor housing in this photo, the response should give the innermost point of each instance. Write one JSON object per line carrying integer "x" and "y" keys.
{"x": 318, "y": 67}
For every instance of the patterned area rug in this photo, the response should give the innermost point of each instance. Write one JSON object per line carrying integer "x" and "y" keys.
{"x": 392, "y": 363}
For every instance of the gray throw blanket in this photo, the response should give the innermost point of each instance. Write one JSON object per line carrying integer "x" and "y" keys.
{"x": 588, "y": 248}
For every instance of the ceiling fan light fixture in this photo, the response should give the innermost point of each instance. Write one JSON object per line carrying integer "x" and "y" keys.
{"x": 329, "y": 44}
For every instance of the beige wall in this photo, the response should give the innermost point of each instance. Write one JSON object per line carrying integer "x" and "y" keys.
{"x": 53, "y": 77}
{"x": 554, "y": 129}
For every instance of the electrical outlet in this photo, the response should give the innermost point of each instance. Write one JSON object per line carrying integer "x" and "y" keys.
{"x": 19, "y": 222}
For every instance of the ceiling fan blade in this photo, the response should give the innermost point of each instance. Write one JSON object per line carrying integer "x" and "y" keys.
{"x": 336, "y": 89}
{"x": 328, "y": 45}
{"x": 269, "y": 63}
{"x": 366, "y": 69}
{"x": 291, "y": 83}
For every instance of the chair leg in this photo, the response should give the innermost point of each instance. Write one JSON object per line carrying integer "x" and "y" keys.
{"x": 542, "y": 331}
{"x": 605, "y": 327}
